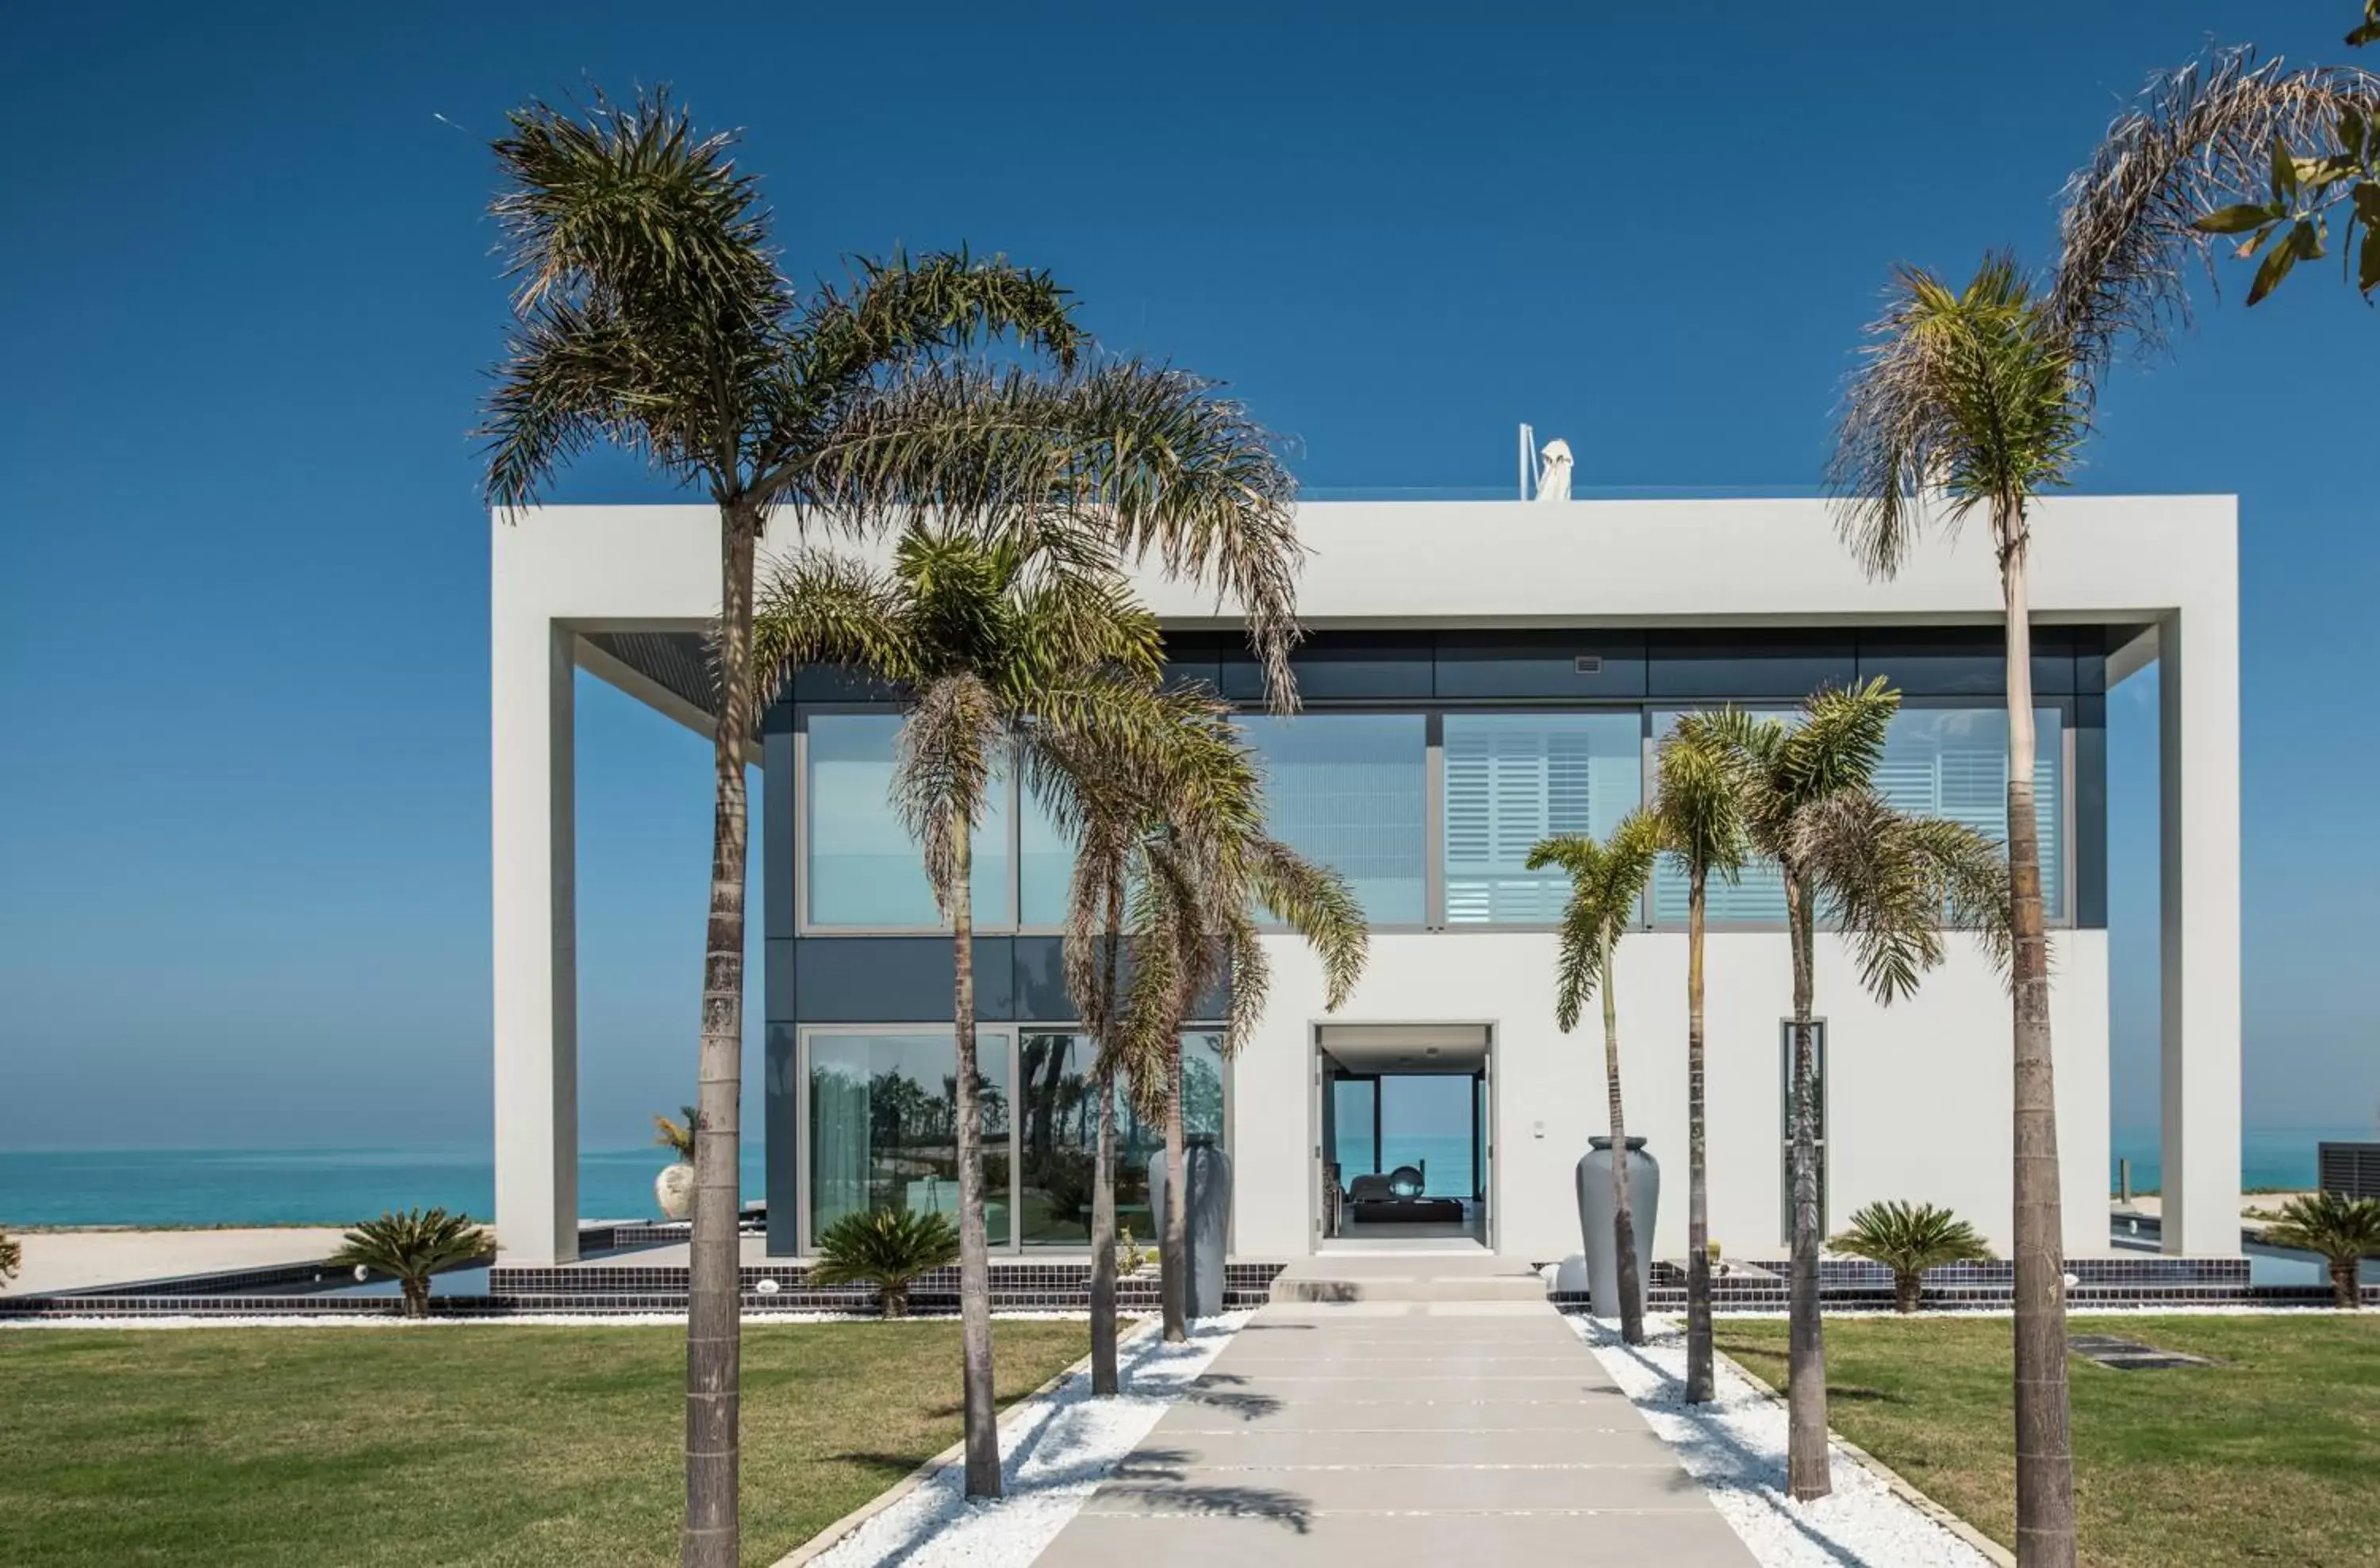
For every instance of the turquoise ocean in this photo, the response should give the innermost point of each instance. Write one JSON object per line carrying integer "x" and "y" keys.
{"x": 338, "y": 1187}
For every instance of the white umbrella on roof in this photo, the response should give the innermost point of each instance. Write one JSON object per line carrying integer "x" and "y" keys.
{"x": 1553, "y": 472}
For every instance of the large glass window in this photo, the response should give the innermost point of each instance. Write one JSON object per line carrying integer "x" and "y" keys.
{"x": 1756, "y": 896}
{"x": 1355, "y": 1126}
{"x": 1426, "y": 1122}
{"x": 1045, "y": 867}
{"x": 1056, "y": 1125}
{"x": 1347, "y": 790}
{"x": 865, "y": 869}
{"x": 1952, "y": 762}
{"x": 1947, "y": 762}
{"x": 885, "y": 1125}
{"x": 1512, "y": 779}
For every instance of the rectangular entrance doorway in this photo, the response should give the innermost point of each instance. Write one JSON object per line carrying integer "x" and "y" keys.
{"x": 1404, "y": 1140}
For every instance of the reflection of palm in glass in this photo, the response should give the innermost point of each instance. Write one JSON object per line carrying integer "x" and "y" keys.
{"x": 883, "y": 1131}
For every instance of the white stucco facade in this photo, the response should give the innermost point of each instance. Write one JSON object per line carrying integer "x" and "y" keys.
{"x": 1918, "y": 1102}
{"x": 1919, "y": 1093}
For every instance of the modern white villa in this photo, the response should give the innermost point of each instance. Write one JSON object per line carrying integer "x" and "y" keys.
{"x": 1478, "y": 674}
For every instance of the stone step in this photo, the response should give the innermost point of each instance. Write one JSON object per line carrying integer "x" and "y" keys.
{"x": 1325, "y": 1285}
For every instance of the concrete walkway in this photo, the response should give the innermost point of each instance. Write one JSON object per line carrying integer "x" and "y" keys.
{"x": 1383, "y": 1433}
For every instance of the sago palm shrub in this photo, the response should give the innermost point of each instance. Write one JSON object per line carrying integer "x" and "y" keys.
{"x": 1909, "y": 1238}
{"x": 410, "y": 1246}
{"x": 889, "y": 1248}
{"x": 12, "y": 1257}
{"x": 2342, "y": 1231}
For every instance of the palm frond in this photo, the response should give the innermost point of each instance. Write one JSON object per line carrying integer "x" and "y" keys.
{"x": 1578, "y": 964}
{"x": 1972, "y": 870}
{"x": 2194, "y": 141}
{"x": 1316, "y": 901}
{"x": 1074, "y": 620}
{"x": 1699, "y": 802}
{"x": 647, "y": 296}
{"x": 1608, "y": 883}
{"x": 1238, "y": 955}
{"x": 1149, "y": 458}
{"x": 1963, "y": 399}
{"x": 1854, "y": 851}
{"x": 1839, "y": 742}
{"x": 815, "y": 607}
{"x": 950, "y": 748}
{"x": 904, "y": 310}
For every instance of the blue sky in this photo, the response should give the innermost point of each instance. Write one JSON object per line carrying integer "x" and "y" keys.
{"x": 247, "y": 296}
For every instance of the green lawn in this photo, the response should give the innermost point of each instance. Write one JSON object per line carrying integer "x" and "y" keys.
{"x": 475, "y": 1444}
{"x": 2272, "y": 1456}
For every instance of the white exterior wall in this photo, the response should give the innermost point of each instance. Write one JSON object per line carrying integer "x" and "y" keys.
{"x": 1918, "y": 1101}
{"x": 2171, "y": 562}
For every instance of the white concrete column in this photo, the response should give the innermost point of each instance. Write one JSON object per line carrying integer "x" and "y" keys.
{"x": 2198, "y": 658}
{"x": 536, "y": 940}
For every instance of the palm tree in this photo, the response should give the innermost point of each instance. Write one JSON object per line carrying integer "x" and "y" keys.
{"x": 1031, "y": 651}
{"x": 1700, "y": 808}
{"x": 1197, "y": 879}
{"x": 1607, "y": 891}
{"x": 2343, "y": 1231}
{"x": 1910, "y": 1239}
{"x": 1121, "y": 807}
{"x": 1891, "y": 883}
{"x": 650, "y": 315}
{"x": 411, "y": 1245}
{"x": 1976, "y": 398}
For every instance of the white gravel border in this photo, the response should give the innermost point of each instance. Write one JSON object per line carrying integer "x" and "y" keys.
{"x": 1055, "y": 1450}
{"x": 1735, "y": 1447}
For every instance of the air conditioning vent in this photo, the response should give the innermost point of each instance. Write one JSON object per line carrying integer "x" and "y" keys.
{"x": 1588, "y": 664}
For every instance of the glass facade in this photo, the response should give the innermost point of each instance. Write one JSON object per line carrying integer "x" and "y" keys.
{"x": 1422, "y": 845}
{"x": 1045, "y": 865}
{"x": 1350, "y": 791}
{"x": 1355, "y": 1126}
{"x": 1947, "y": 762}
{"x": 1952, "y": 762}
{"x": 865, "y": 870}
{"x": 882, "y": 1128}
{"x": 1512, "y": 779}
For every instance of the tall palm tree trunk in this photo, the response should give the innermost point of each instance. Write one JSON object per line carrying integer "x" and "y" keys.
{"x": 1104, "y": 1378}
{"x": 982, "y": 1428}
{"x": 1103, "y": 1247}
{"x": 714, "y": 1315}
{"x": 2045, "y": 1465}
{"x": 1624, "y": 1218}
{"x": 1175, "y": 1262}
{"x": 1805, "y": 1442}
{"x": 1700, "y": 1373}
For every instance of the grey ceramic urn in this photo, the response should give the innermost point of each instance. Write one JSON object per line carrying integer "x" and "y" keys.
{"x": 1597, "y": 1203}
{"x": 1208, "y": 1199}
